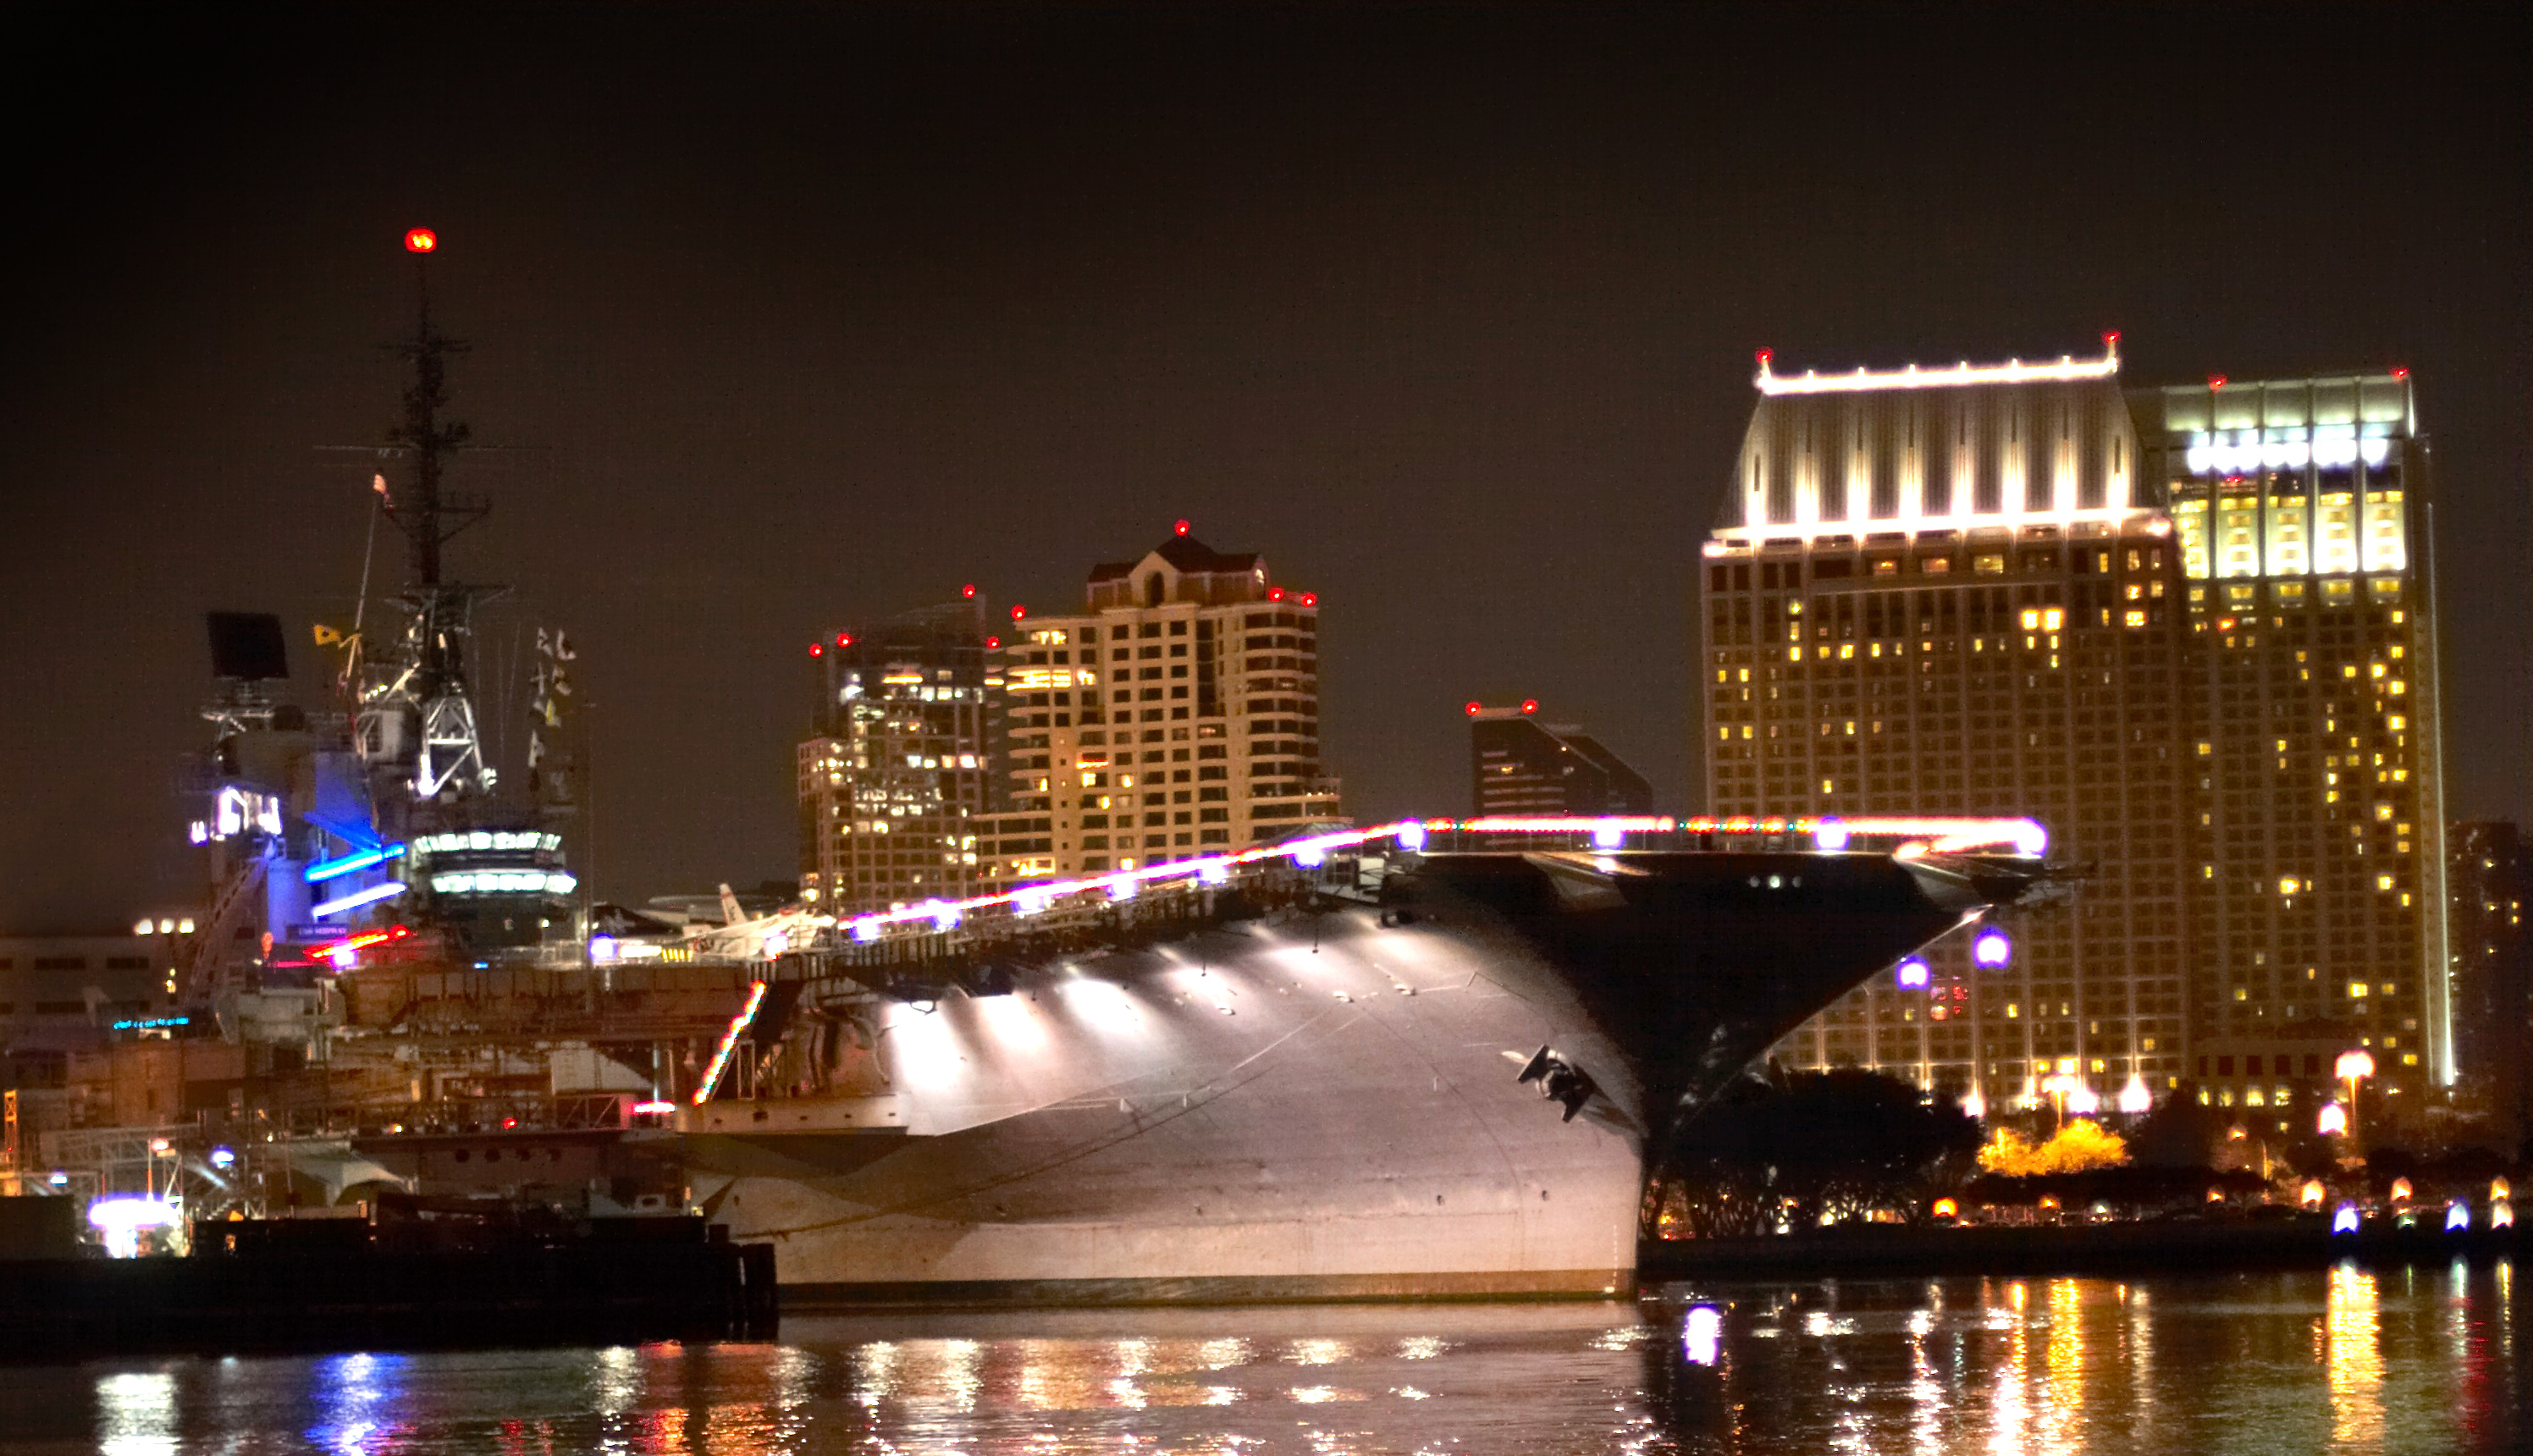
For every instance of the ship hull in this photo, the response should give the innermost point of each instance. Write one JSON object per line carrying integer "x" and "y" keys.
{"x": 1289, "y": 1106}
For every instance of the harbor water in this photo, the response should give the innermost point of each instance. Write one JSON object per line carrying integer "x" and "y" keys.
{"x": 2426, "y": 1360}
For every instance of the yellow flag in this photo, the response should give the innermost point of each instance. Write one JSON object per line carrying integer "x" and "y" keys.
{"x": 328, "y": 636}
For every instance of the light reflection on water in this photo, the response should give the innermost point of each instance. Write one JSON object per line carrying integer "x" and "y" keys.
{"x": 2398, "y": 1360}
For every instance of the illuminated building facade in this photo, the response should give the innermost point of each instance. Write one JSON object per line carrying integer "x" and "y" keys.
{"x": 895, "y": 784}
{"x": 1176, "y": 715}
{"x": 2490, "y": 879}
{"x": 1954, "y": 592}
{"x": 2317, "y": 815}
{"x": 1519, "y": 765}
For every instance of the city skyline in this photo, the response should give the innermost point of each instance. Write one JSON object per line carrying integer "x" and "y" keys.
{"x": 1487, "y": 428}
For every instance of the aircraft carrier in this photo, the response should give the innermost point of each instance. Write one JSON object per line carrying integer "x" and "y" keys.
{"x": 1424, "y": 1060}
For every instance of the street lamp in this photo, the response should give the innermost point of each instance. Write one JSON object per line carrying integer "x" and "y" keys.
{"x": 2352, "y": 1067}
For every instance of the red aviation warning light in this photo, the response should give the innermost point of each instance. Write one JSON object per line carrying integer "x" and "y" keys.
{"x": 1470, "y": 708}
{"x": 968, "y": 592}
{"x": 817, "y": 649}
{"x": 420, "y": 240}
{"x": 1179, "y": 527}
{"x": 1019, "y": 611}
{"x": 1530, "y": 704}
{"x": 844, "y": 639}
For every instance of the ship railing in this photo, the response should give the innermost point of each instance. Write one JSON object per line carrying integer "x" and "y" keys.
{"x": 1325, "y": 851}
{"x": 916, "y": 950}
{"x": 1334, "y": 861}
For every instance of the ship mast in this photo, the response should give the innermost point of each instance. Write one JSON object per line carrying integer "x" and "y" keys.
{"x": 429, "y": 693}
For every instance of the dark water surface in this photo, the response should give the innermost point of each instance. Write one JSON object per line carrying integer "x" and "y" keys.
{"x": 2397, "y": 1360}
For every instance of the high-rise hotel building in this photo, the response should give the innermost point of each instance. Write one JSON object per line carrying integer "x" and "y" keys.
{"x": 1953, "y": 591}
{"x": 895, "y": 782}
{"x": 1519, "y": 765}
{"x": 2319, "y": 905}
{"x": 1177, "y": 715}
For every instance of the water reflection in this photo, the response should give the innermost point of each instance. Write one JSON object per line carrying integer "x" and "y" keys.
{"x": 2405, "y": 1361}
{"x": 135, "y": 1414}
{"x": 2353, "y": 1360}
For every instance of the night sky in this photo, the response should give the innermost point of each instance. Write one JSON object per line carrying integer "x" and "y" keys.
{"x": 804, "y": 316}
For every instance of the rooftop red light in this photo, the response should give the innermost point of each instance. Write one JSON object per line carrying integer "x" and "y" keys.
{"x": 2400, "y": 372}
{"x": 844, "y": 639}
{"x": 817, "y": 649}
{"x": 1470, "y": 708}
{"x": 1180, "y": 527}
{"x": 967, "y": 591}
{"x": 1019, "y": 611}
{"x": 1309, "y": 599}
{"x": 1274, "y": 594}
{"x": 420, "y": 240}
{"x": 2215, "y": 382}
{"x": 1530, "y": 704}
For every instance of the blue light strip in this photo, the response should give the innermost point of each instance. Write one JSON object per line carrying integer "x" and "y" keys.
{"x": 327, "y": 869}
{"x": 386, "y": 890}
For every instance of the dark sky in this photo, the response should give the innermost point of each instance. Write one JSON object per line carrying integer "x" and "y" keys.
{"x": 816, "y": 314}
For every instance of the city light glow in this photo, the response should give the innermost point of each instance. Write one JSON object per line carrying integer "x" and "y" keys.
{"x": 119, "y": 1219}
{"x": 2014, "y": 371}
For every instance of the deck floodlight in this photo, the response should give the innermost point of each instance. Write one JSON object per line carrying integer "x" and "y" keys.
{"x": 1992, "y": 948}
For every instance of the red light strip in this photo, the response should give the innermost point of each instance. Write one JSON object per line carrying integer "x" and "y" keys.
{"x": 362, "y": 941}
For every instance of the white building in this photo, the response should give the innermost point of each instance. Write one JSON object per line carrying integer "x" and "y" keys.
{"x": 1176, "y": 716}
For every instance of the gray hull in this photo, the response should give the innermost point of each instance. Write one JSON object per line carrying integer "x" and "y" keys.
{"x": 1311, "y": 1100}
{"x": 1243, "y": 1116}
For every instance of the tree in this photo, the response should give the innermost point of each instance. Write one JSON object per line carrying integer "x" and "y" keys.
{"x": 1806, "y": 1147}
{"x": 2077, "y": 1146}
{"x": 2178, "y": 1132}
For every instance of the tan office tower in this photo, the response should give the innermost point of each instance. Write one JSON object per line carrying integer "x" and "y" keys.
{"x": 893, "y": 787}
{"x": 2318, "y": 910}
{"x": 1950, "y": 590}
{"x": 1176, "y": 716}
